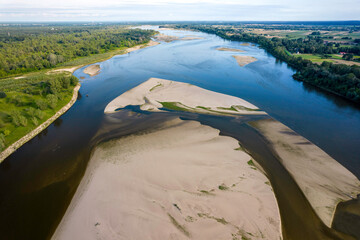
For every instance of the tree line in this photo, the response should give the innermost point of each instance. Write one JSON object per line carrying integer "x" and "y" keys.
{"x": 23, "y": 50}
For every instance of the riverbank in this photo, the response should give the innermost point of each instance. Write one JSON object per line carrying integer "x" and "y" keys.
{"x": 180, "y": 180}
{"x": 13, "y": 147}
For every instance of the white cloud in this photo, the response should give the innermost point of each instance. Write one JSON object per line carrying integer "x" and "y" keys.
{"x": 238, "y": 10}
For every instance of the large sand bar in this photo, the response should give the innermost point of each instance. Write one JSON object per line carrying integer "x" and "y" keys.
{"x": 323, "y": 180}
{"x": 180, "y": 181}
{"x": 155, "y": 93}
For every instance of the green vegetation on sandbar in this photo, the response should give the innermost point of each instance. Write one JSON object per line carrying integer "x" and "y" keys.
{"x": 223, "y": 187}
{"x": 27, "y": 102}
{"x": 251, "y": 163}
{"x": 178, "y": 226}
{"x": 173, "y": 106}
{"x": 159, "y": 85}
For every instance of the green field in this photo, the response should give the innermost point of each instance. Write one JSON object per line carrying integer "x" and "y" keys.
{"x": 314, "y": 58}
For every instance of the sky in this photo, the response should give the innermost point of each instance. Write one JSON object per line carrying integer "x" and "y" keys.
{"x": 178, "y": 10}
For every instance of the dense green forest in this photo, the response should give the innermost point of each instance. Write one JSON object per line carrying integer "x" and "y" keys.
{"x": 29, "y": 100}
{"x": 340, "y": 79}
{"x": 28, "y": 49}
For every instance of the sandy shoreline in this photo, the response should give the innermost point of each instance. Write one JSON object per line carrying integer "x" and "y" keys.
{"x": 178, "y": 182}
{"x": 323, "y": 180}
{"x": 158, "y": 93}
{"x": 244, "y": 60}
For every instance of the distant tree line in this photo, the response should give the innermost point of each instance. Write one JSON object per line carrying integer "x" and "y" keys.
{"x": 338, "y": 78}
{"x": 23, "y": 50}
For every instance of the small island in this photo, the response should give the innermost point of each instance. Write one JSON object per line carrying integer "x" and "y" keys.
{"x": 244, "y": 60}
{"x": 229, "y": 49}
{"x": 156, "y": 94}
{"x": 92, "y": 70}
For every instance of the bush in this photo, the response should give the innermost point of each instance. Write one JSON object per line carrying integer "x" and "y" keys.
{"x": 23, "y": 121}
{"x": 2, "y": 142}
{"x": 15, "y": 116}
{"x": 35, "y": 121}
{"x": 31, "y": 111}
{"x": 52, "y": 100}
{"x": 39, "y": 114}
{"x": 2, "y": 94}
{"x": 41, "y": 104}
{"x": 74, "y": 80}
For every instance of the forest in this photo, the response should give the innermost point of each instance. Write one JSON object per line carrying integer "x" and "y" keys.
{"x": 340, "y": 79}
{"x": 28, "y": 49}
{"x": 28, "y": 100}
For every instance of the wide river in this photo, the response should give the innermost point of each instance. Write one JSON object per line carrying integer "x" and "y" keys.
{"x": 38, "y": 181}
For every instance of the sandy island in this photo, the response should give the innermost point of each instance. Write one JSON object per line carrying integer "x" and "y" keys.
{"x": 180, "y": 181}
{"x": 244, "y": 44}
{"x": 159, "y": 93}
{"x": 229, "y": 49}
{"x": 165, "y": 38}
{"x": 92, "y": 70}
{"x": 323, "y": 180}
{"x": 244, "y": 60}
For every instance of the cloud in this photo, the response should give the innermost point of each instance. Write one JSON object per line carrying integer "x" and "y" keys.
{"x": 176, "y": 10}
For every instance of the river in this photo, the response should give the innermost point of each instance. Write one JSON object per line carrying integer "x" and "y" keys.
{"x": 38, "y": 181}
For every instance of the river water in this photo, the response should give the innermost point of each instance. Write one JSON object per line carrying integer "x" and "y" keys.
{"x": 38, "y": 181}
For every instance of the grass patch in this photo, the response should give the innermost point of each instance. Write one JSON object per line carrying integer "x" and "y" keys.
{"x": 178, "y": 226}
{"x": 228, "y": 109}
{"x": 174, "y": 106}
{"x": 205, "y": 108}
{"x": 251, "y": 163}
{"x": 159, "y": 85}
{"x": 219, "y": 220}
{"x": 223, "y": 187}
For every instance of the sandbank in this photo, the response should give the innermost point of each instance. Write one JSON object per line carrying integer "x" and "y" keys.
{"x": 92, "y": 70}
{"x": 179, "y": 181}
{"x": 165, "y": 38}
{"x": 244, "y": 44}
{"x": 244, "y": 60}
{"x": 190, "y": 37}
{"x": 158, "y": 93}
{"x": 323, "y": 180}
{"x": 229, "y": 49}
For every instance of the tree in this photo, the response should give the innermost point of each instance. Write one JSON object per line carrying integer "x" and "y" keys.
{"x": 348, "y": 56}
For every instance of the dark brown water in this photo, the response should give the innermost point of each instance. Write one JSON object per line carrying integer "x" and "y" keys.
{"x": 38, "y": 181}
